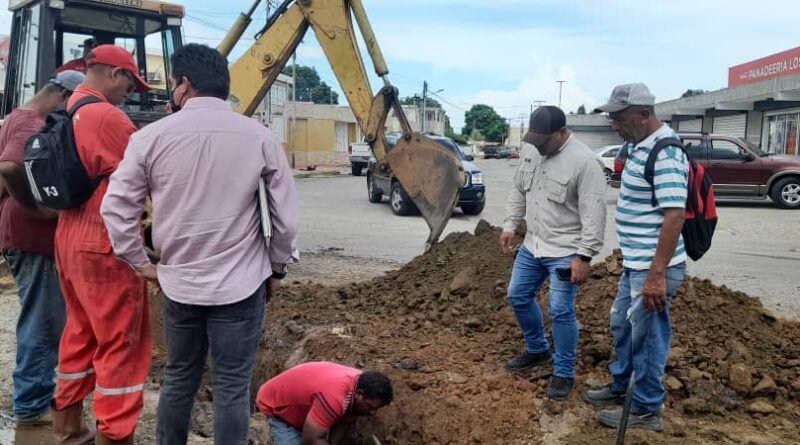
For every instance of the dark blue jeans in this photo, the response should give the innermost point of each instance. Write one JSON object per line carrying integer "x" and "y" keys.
{"x": 642, "y": 338}
{"x": 39, "y": 327}
{"x": 232, "y": 333}
{"x": 527, "y": 276}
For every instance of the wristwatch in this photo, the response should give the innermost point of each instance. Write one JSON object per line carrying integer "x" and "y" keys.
{"x": 280, "y": 274}
{"x": 585, "y": 258}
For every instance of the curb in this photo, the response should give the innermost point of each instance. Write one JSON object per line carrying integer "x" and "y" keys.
{"x": 303, "y": 175}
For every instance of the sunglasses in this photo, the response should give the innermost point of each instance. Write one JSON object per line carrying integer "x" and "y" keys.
{"x": 131, "y": 81}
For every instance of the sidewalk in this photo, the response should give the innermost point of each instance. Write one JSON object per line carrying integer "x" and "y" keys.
{"x": 319, "y": 171}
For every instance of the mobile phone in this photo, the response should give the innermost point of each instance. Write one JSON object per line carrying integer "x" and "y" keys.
{"x": 564, "y": 274}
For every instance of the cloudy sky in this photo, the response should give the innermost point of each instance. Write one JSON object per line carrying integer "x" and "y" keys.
{"x": 509, "y": 53}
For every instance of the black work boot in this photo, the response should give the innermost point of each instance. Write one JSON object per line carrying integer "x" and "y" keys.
{"x": 605, "y": 396}
{"x": 642, "y": 420}
{"x": 528, "y": 360}
{"x": 560, "y": 387}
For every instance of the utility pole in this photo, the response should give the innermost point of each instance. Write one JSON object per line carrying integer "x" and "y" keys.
{"x": 560, "y": 88}
{"x": 537, "y": 104}
{"x": 424, "y": 104}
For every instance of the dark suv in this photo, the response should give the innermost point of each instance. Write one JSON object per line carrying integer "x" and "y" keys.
{"x": 471, "y": 199}
{"x": 739, "y": 169}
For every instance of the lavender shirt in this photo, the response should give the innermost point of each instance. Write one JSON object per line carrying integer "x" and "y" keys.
{"x": 201, "y": 167}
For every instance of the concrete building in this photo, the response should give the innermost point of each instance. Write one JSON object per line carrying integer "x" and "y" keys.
{"x": 274, "y": 109}
{"x": 319, "y": 134}
{"x": 761, "y": 104}
{"x": 434, "y": 119}
{"x": 593, "y": 129}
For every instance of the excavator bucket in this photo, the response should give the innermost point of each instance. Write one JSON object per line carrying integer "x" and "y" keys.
{"x": 431, "y": 176}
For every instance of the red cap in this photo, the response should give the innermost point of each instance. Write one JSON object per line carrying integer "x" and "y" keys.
{"x": 117, "y": 57}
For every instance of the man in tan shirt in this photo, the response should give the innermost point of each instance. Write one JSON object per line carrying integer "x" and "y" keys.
{"x": 559, "y": 190}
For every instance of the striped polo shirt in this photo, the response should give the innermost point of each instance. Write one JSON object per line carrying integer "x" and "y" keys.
{"x": 638, "y": 222}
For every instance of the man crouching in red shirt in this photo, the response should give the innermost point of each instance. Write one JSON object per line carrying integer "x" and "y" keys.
{"x": 316, "y": 403}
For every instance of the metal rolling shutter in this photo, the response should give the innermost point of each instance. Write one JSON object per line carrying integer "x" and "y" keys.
{"x": 598, "y": 139}
{"x": 734, "y": 126}
{"x": 691, "y": 126}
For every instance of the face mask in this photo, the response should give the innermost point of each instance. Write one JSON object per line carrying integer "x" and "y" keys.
{"x": 174, "y": 105}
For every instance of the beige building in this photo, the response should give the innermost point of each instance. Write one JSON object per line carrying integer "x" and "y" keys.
{"x": 319, "y": 134}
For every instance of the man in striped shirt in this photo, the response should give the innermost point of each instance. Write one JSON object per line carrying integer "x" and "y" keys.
{"x": 654, "y": 259}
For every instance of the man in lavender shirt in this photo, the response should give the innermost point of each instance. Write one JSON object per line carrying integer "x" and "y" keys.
{"x": 202, "y": 166}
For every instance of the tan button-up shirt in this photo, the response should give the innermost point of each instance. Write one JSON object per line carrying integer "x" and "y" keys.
{"x": 562, "y": 199}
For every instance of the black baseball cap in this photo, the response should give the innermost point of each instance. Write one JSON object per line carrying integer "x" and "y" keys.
{"x": 544, "y": 121}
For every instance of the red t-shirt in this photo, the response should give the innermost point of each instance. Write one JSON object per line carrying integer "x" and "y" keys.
{"x": 320, "y": 391}
{"x": 19, "y": 227}
{"x": 101, "y": 136}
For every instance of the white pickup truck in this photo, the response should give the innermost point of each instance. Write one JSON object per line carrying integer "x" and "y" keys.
{"x": 360, "y": 155}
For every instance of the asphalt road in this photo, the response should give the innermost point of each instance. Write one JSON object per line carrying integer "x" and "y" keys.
{"x": 756, "y": 247}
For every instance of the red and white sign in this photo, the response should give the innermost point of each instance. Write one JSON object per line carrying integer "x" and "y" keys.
{"x": 770, "y": 67}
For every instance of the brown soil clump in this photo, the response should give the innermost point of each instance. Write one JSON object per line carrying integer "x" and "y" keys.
{"x": 441, "y": 328}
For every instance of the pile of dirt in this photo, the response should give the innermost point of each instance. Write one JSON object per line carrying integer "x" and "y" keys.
{"x": 441, "y": 328}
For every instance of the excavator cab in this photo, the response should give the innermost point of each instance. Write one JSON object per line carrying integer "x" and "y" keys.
{"x": 46, "y": 34}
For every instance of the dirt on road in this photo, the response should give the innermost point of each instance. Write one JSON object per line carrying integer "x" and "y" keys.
{"x": 441, "y": 328}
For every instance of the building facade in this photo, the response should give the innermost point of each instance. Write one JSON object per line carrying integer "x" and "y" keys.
{"x": 761, "y": 104}
{"x": 593, "y": 130}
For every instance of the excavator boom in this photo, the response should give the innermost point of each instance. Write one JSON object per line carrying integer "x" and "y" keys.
{"x": 430, "y": 174}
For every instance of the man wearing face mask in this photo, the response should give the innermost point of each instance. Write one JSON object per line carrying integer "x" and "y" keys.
{"x": 558, "y": 191}
{"x": 202, "y": 168}
{"x": 105, "y": 347}
{"x": 26, "y": 238}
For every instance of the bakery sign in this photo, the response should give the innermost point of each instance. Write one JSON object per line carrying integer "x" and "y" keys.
{"x": 770, "y": 67}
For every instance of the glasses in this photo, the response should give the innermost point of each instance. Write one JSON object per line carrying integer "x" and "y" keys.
{"x": 131, "y": 81}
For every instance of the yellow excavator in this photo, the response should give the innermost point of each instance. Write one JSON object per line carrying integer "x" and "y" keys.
{"x": 45, "y": 34}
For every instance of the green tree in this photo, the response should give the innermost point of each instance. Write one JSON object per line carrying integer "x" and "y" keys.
{"x": 693, "y": 92}
{"x": 459, "y": 139}
{"x": 488, "y": 123}
{"x": 581, "y": 110}
{"x": 476, "y": 135}
{"x": 310, "y": 87}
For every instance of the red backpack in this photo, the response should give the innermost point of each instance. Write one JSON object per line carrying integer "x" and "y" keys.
{"x": 701, "y": 210}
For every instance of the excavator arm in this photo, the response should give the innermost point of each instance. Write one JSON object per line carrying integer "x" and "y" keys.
{"x": 430, "y": 174}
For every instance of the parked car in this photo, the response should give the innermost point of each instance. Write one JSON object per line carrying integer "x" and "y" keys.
{"x": 739, "y": 169}
{"x": 514, "y": 154}
{"x": 504, "y": 152}
{"x": 606, "y": 156}
{"x": 471, "y": 200}
{"x": 360, "y": 155}
{"x": 490, "y": 153}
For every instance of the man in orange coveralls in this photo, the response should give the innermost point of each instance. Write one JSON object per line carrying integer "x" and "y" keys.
{"x": 106, "y": 342}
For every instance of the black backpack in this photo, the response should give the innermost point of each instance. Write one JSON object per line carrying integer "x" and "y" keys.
{"x": 56, "y": 175}
{"x": 701, "y": 208}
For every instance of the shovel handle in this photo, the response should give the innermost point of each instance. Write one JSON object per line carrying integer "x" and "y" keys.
{"x": 626, "y": 411}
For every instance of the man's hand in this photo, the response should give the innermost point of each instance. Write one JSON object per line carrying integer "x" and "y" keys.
{"x": 507, "y": 241}
{"x": 655, "y": 291}
{"x": 273, "y": 284}
{"x": 148, "y": 272}
{"x": 580, "y": 269}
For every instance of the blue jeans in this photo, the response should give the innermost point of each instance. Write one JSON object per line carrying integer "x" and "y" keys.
{"x": 232, "y": 333}
{"x": 527, "y": 276}
{"x": 283, "y": 433}
{"x": 642, "y": 338}
{"x": 39, "y": 327}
